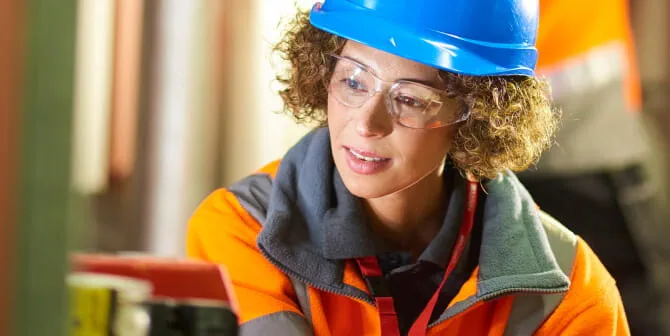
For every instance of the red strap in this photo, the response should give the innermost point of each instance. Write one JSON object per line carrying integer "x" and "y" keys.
{"x": 387, "y": 315}
{"x": 370, "y": 268}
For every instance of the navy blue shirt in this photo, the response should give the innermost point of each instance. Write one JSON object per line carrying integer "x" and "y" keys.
{"x": 412, "y": 284}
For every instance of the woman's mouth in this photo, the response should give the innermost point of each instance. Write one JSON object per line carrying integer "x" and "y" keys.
{"x": 365, "y": 162}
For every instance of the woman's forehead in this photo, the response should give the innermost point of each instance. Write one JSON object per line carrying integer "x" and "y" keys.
{"x": 388, "y": 66}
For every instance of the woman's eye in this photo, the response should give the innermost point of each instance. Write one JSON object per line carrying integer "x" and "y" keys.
{"x": 353, "y": 84}
{"x": 411, "y": 101}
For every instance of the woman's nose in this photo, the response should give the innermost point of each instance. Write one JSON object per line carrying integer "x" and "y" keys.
{"x": 373, "y": 118}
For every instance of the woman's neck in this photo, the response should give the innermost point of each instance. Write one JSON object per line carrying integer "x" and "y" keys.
{"x": 409, "y": 219}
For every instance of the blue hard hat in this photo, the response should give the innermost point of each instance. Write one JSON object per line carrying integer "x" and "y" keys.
{"x": 471, "y": 37}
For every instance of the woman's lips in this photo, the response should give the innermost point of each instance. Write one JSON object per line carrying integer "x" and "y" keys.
{"x": 365, "y": 162}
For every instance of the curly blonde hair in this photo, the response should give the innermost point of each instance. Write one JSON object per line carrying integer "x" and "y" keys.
{"x": 511, "y": 117}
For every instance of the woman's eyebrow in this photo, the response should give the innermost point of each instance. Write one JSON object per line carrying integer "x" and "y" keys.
{"x": 432, "y": 83}
{"x": 435, "y": 83}
{"x": 361, "y": 64}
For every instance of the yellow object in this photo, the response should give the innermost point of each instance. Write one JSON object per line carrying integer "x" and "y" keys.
{"x": 107, "y": 305}
{"x": 91, "y": 311}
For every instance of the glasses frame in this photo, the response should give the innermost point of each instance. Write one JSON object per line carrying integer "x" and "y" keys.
{"x": 381, "y": 85}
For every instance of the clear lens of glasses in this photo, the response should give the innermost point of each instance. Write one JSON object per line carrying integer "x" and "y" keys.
{"x": 412, "y": 104}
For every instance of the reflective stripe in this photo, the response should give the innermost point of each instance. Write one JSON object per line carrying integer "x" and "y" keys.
{"x": 563, "y": 242}
{"x": 303, "y": 299}
{"x": 597, "y": 112}
{"x": 529, "y": 311}
{"x": 277, "y": 324}
{"x": 588, "y": 71}
{"x": 253, "y": 193}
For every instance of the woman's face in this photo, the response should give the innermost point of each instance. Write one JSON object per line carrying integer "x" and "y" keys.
{"x": 374, "y": 154}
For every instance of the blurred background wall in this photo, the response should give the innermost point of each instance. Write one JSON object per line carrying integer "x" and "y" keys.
{"x": 652, "y": 35}
{"x": 189, "y": 106}
{"x": 651, "y": 26}
{"x": 118, "y": 116}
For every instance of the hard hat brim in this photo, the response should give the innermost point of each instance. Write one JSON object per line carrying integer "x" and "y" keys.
{"x": 439, "y": 50}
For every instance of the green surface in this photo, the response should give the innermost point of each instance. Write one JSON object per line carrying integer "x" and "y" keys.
{"x": 45, "y": 216}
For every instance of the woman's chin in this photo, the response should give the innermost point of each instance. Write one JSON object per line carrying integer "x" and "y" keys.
{"x": 368, "y": 186}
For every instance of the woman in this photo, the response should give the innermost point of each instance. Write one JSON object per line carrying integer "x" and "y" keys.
{"x": 401, "y": 215}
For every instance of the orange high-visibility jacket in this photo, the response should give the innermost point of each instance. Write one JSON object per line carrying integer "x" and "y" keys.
{"x": 586, "y": 52}
{"x": 583, "y": 44}
{"x": 287, "y": 235}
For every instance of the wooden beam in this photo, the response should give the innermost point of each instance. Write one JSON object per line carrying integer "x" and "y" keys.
{"x": 11, "y": 23}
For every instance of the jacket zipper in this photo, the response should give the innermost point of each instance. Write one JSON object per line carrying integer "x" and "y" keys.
{"x": 497, "y": 294}
{"x": 368, "y": 300}
{"x": 306, "y": 281}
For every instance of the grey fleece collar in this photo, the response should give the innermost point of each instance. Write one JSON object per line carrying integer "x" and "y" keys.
{"x": 313, "y": 223}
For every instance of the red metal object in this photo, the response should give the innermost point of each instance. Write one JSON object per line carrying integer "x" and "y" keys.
{"x": 171, "y": 278}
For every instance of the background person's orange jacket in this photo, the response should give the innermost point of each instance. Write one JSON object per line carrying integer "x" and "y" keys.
{"x": 263, "y": 229}
{"x": 574, "y": 36}
{"x": 587, "y": 54}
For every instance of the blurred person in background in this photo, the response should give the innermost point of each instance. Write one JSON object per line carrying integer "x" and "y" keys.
{"x": 594, "y": 180}
{"x": 400, "y": 214}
